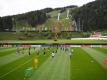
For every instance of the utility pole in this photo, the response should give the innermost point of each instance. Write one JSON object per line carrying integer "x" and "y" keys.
{"x": 75, "y": 23}
{"x": 13, "y": 22}
{"x": 79, "y": 25}
{"x": 58, "y": 16}
{"x": 67, "y": 17}
{"x": 82, "y": 26}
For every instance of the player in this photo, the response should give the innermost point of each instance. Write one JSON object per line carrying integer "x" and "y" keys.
{"x": 72, "y": 50}
{"x": 37, "y": 52}
{"x": 44, "y": 53}
{"x": 18, "y": 51}
{"x": 23, "y": 51}
{"x": 70, "y": 54}
{"x": 28, "y": 73}
{"x": 53, "y": 55}
{"x": 35, "y": 63}
{"x": 29, "y": 51}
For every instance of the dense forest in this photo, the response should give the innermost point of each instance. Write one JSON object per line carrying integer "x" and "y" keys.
{"x": 92, "y": 16}
{"x": 31, "y": 18}
{"x": 6, "y": 23}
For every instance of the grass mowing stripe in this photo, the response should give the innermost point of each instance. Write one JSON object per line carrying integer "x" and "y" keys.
{"x": 64, "y": 69}
{"x": 9, "y": 58}
{"x": 47, "y": 62}
{"x": 64, "y": 74}
{"x": 83, "y": 69}
{"x": 44, "y": 70}
{"x": 7, "y": 49}
{"x": 20, "y": 71}
{"x": 68, "y": 73}
{"x": 9, "y": 66}
{"x": 53, "y": 69}
{"x": 5, "y": 53}
{"x": 98, "y": 56}
{"x": 11, "y": 51}
{"x": 41, "y": 70}
{"x": 12, "y": 62}
{"x": 56, "y": 71}
{"x": 14, "y": 69}
{"x": 104, "y": 50}
{"x": 3, "y": 48}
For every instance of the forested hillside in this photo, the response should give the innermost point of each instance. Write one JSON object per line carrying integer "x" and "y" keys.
{"x": 92, "y": 16}
{"x": 27, "y": 19}
{"x": 31, "y": 19}
{"x": 89, "y": 17}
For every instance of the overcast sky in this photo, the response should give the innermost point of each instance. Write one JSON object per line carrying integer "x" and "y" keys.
{"x": 10, "y": 7}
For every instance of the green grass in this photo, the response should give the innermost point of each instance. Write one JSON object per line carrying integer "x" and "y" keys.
{"x": 54, "y": 14}
{"x": 3, "y": 48}
{"x": 7, "y": 51}
{"x": 9, "y": 35}
{"x": 57, "y": 68}
{"x": 97, "y": 55}
{"x": 104, "y": 50}
{"x": 59, "y": 41}
{"x": 84, "y": 65}
{"x": 83, "y": 69}
{"x": 17, "y": 68}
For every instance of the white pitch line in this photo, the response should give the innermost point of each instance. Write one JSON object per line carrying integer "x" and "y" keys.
{"x": 14, "y": 69}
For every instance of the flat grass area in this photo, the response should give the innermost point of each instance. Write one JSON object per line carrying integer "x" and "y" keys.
{"x": 85, "y": 67}
{"x": 85, "y": 64}
{"x": 16, "y": 69}
{"x": 104, "y": 50}
{"x": 6, "y": 51}
{"x": 58, "y": 41}
{"x": 57, "y": 68}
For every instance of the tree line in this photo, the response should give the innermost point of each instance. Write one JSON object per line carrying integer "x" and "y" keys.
{"x": 32, "y": 19}
{"x": 92, "y": 16}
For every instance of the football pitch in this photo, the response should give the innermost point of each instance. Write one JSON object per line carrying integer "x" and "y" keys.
{"x": 84, "y": 63}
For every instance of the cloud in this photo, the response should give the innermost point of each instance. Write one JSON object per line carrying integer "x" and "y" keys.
{"x": 10, "y": 7}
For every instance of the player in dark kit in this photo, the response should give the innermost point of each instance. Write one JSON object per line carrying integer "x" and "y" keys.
{"x": 29, "y": 51}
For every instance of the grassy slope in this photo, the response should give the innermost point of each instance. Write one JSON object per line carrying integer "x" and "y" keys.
{"x": 83, "y": 69}
{"x": 65, "y": 22}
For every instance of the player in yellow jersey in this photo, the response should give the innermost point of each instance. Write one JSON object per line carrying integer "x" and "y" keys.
{"x": 35, "y": 63}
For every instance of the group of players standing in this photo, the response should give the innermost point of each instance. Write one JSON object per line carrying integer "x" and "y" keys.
{"x": 67, "y": 50}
